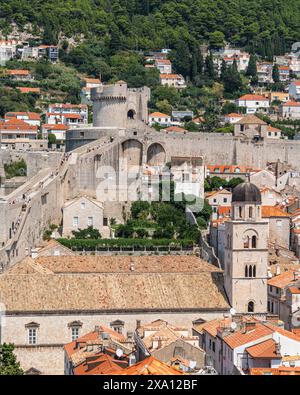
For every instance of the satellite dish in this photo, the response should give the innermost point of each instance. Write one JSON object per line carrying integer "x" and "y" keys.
{"x": 232, "y": 311}
{"x": 192, "y": 364}
{"x": 233, "y": 326}
{"x": 119, "y": 353}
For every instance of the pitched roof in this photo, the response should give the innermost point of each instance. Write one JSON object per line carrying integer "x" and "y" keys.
{"x": 28, "y": 90}
{"x": 250, "y": 97}
{"x": 92, "y": 80}
{"x": 58, "y": 126}
{"x": 297, "y": 83}
{"x": 265, "y": 349}
{"x": 283, "y": 280}
{"x": 17, "y": 125}
{"x": 280, "y": 371}
{"x": 233, "y": 115}
{"x": 88, "y": 338}
{"x": 159, "y": 115}
{"x": 251, "y": 120}
{"x": 100, "y": 364}
{"x": 273, "y": 211}
{"x": 171, "y": 77}
{"x": 30, "y": 115}
{"x": 282, "y": 331}
{"x": 291, "y": 103}
{"x": 158, "y": 282}
{"x": 163, "y": 61}
{"x": 150, "y": 366}
{"x": 174, "y": 129}
{"x": 272, "y": 129}
{"x": 18, "y": 72}
{"x": 240, "y": 337}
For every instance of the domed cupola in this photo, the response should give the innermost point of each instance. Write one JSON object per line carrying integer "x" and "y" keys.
{"x": 246, "y": 193}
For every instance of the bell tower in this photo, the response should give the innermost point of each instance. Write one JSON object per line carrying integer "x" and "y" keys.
{"x": 246, "y": 252}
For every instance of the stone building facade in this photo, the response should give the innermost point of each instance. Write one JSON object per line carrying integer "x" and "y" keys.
{"x": 115, "y": 105}
{"x": 246, "y": 252}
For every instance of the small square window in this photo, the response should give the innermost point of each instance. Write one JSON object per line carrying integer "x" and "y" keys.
{"x": 82, "y": 205}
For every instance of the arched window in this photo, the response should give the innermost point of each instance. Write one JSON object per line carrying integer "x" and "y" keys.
{"x": 254, "y": 271}
{"x": 254, "y": 241}
{"x": 250, "y": 212}
{"x": 240, "y": 212}
{"x": 131, "y": 114}
{"x": 246, "y": 271}
{"x": 247, "y": 242}
{"x": 251, "y": 307}
{"x": 250, "y": 271}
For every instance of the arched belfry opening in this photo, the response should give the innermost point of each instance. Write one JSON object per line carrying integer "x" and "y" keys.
{"x": 131, "y": 114}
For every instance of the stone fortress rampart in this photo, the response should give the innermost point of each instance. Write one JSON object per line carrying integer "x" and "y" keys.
{"x": 117, "y": 133}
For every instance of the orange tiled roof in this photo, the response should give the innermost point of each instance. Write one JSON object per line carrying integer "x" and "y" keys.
{"x": 174, "y": 129}
{"x": 234, "y": 115}
{"x": 58, "y": 126}
{"x": 240, "y": 338}
{"x": 28, "y": 90}
{"x": 291, "y": 103}
{"x": 280, "y": 371}
{"x": 272, "y": 129}
{"x": 150, "y": 366}
{"x": 265, "y": 349}
{"x": 34, "y": 116}
{"x": 214, "y": 193}
{"x": 211, "y": 327}
{"x": 18, "y": 72}
{"x": 163, "y": 61}
{"x": 283, "y": 279}
{"x": 283, "y": 67}
{"x": 229, "y": 169}
{"x": 102, "y": 364}
{"x": 297, "y": 83}
{"x": 252, "y": 97}
{"x": 294, "y": 290}
{"x": 273, "y": 211}
{"x": 72, "y": 116}
{"x": 17, "y": 124}
{"x": 170, "y": 76}
{"x": 282, "y": 331}
{"x": 224, "y": 210}
{"x": 92, "y": 80}
{"x": 159, "y": 115}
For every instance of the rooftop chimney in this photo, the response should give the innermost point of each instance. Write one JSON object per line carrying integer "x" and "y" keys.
{"x": 277, "y": 270}
{"x": 138, "y": 324}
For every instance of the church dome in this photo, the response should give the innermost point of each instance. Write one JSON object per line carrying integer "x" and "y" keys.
{"x": 247, "y": 193}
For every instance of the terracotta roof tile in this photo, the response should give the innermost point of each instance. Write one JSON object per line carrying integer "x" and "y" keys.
{"x": 283, "y": 279}
{"x": 150, "y": 366}
{"x": 273, "y": 211}
{"x": 265, "y": 349}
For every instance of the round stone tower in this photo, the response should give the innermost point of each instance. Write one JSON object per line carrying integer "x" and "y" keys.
{"x": 115, "y": 105}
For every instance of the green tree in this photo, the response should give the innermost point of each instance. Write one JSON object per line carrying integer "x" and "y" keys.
{"x": 51, "y": 138}
{"x": 210, "y": 67}
{"x": 9, "y": 366}
{"x": 88, "y": 233}
{"x": 275, "y": 74}
{"x": 252, "y": 69}
{"x": 216, "y": 39}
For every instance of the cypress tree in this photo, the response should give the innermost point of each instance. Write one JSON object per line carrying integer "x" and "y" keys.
{"x": 252, "y": 69}
{"x": 275, "y": 74}
{"x": 210, "y": 67}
